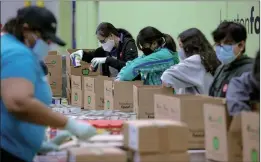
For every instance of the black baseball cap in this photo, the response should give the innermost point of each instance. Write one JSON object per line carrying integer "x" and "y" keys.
{"x": 40, "y": 18}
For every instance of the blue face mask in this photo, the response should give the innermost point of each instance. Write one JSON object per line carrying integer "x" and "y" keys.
{"x": 41, "y": 49}
{"x": 225, "y": 54}
{"x": 182, "y": 55}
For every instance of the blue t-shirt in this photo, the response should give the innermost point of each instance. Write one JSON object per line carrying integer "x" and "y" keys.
{"x": 20, "y": 138}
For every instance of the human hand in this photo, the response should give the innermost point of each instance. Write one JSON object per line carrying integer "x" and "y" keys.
{"x": 61, "y": 137}
{"x": 48, "y": 147}
{"x": 97, "y": 60}
{"x": 76, "y": 58}
{"x": 79, "y": 129}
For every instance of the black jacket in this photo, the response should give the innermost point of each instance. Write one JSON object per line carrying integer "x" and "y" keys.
{"x": 126, "y": 51}
{"x": 225, "y": 73}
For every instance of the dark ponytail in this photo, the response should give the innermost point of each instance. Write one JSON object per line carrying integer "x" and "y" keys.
{"x": 170, "y": 43}
{"x": 14, "y": 26}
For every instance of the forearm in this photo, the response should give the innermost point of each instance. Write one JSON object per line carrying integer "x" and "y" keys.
{"x": 117, "y": 64}
{"x": 36, "y": 112}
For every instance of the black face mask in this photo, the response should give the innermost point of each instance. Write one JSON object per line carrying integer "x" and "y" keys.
{"x": 147, "y": 51}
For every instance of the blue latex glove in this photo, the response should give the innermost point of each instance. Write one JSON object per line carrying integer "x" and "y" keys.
{"x": 80, "y": 130}
{"x": 98, "y": 60}
{"x": 48, "y": 147}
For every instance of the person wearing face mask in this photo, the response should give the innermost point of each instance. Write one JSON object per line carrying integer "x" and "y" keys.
{"x": 117, "y": 47}
{"x": 159, "y": 53}
{"x": 244, "y": 91}
{"x": 230, "y": 39}
{"x": 194, "y": 74}
{"x": 25, "y": 92}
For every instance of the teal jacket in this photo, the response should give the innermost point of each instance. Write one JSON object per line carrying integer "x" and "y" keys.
{"x": 150, "y": 67}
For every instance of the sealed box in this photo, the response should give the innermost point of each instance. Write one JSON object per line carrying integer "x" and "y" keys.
{"x": 77, "y": 96}
{"x": 148, "y": 136}
{"x": 188, "y": 109}
{"x": 143, "y": 99}
{"x": 119, "y": 95}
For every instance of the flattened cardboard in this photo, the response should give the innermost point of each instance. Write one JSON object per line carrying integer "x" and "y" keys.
{"x": 119, "y": 95}
{"x": 188, "y": 109}
{"x": 53, "y": 62}
{"x": 77, "y": 97}
{"x": 148, "y": 136}
{"x": 76, "y": 82}
{"x": 143, "y": 98}
{"x": 97, "y": 154}
{"x": 68, "y": 81}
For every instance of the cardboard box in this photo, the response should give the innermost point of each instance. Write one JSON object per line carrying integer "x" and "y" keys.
{"x": 250, "y": 135}
{"x": 119, "y": 95}
{"x": 97, "y": 154}
{"x": 79, "y": 71}
{"x": 94, "y": 92}
{"x": 167, "y": 157}
{"x": 188, "y": 109}
{"x": 77, "y": 97}
{"x": 152, "y": 136}
{"x": 76, "y": 82}
{"x": 53, "y": 62}
{"x": 143, "y": 98}
{"x": 222, "y": 144}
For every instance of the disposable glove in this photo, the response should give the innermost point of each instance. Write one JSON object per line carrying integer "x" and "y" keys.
{"x": 61, "y": 137}
{"x": 76, "y": 58}
{"x": 98, "y": 60}
{"x": 48, "y": 147}
{"x": 80, "y": 130}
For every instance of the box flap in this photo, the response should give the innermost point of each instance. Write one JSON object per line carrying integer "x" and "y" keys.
{"x": 74, "y": 50}
{"x": 53, "y": 53}
{"x": 236, "y": 125}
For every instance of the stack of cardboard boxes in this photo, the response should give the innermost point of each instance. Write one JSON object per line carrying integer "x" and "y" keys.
{"x": 74, "y": 76}
{"x": 231, "y": 139}
{"x": 156, "y": 140}
{"x": 188, "y": 109}
{"x": 54, "y": 64}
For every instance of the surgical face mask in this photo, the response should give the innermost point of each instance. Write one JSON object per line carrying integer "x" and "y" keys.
{"x": 40, "y": 48}
{"x": 225, "y": 54}
{"x": 108, "y": 45}
{"x": 147, "y": 51}
{"x": 182, "y": 55}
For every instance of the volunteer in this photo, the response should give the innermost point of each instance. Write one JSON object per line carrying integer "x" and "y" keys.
{"x": 117, "y": 47}
{"x": 244, "y": 89}
{"x": 194, "y": 74}
{"x": 159, "y": 53}
{"x": 230, "y": 43}
{"x": 25, "y": 92}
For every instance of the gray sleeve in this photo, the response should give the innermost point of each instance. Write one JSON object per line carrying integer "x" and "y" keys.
{"x": 188, "y": 73}
{"x": 238, "y": 93}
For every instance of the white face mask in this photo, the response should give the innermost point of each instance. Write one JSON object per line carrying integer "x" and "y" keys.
{"x": 108, "y": 46}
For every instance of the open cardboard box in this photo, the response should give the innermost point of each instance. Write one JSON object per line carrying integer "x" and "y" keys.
{"x": 231, "y": 139}
{"x": 119, "y": 95}
{"x": 79, "y": 71}
{"x": 188, "y": 109}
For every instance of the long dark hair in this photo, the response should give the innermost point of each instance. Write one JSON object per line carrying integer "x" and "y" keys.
{"x": 105, "y": 29}
{"x": 195, "y": 42}
{"x": 150, "y": 34}
{"x": 14, "y": 26}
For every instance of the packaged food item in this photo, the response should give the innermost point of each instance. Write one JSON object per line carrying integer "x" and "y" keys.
{"x": 56, "y": 100}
